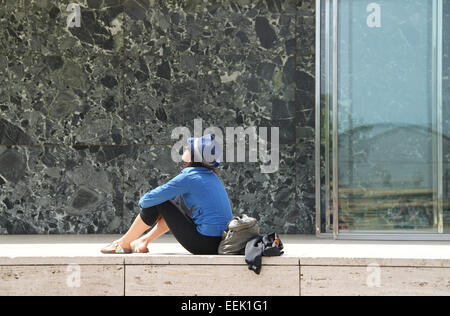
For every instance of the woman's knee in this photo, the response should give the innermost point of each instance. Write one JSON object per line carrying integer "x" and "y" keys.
{"x": 149, "y": 215}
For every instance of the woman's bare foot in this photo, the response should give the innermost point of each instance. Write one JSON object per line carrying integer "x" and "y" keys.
{"x": 124, "y": 244}
{"x": 139, "y": 246}
{"x": 117, "y": 247}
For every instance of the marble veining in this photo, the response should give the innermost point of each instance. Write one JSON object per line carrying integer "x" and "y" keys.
{"x": 60, "y": 189}
{"x": 225, "y": 91}
{"x": 210, "y": 27}
{"x": 86, "y": 113}
{"x": 63, "y": 100}
{"x": 40, "y": 27}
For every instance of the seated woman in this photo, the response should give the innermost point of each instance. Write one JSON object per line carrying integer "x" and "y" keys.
{"x": 194, "y": 206}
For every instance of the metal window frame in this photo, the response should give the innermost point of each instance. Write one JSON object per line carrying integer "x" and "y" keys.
{"x": 387, "y": 237}
{"x": 317, "y": 116}
{"x": 437, "y": 64}
{"x": 327, "y": 119}
{"x": 439, "y": 101}
{"x": 335, "y": 123}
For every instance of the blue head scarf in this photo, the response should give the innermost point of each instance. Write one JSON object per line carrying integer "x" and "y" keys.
{"x": 206, "y": 150}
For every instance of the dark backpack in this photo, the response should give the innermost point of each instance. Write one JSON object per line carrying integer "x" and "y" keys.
{"x": 268, "y": 245}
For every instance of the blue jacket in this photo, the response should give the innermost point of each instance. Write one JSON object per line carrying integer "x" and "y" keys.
{"x": 203, "y": 192}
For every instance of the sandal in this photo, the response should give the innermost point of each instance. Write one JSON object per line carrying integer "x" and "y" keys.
{"x": 135, "y": 248}
{"x": 115, "y": 248}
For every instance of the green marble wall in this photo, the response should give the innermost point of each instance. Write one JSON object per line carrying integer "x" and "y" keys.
{"x": 86, "y": 113}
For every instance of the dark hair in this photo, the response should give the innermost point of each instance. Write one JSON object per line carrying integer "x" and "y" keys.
{"x": 198, "y": 164}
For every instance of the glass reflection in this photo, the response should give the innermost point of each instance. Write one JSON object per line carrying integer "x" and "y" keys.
{"x": 388, "y": 116}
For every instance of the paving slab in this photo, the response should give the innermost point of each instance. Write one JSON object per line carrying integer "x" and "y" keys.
{"x": 41, "y": 265}
{"x": 85, "y": 249}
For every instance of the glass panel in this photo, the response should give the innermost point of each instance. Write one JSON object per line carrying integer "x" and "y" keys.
{"x": 387, "y": 116}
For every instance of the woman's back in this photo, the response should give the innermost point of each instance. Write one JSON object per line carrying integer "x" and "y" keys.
{"x": 208, "y": 200}
{"x": 203, "y": 193}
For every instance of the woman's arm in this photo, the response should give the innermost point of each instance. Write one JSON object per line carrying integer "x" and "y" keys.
{"x": 165, "y": 192}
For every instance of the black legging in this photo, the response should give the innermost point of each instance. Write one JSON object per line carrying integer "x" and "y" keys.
{"x": 182, "y": 227}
